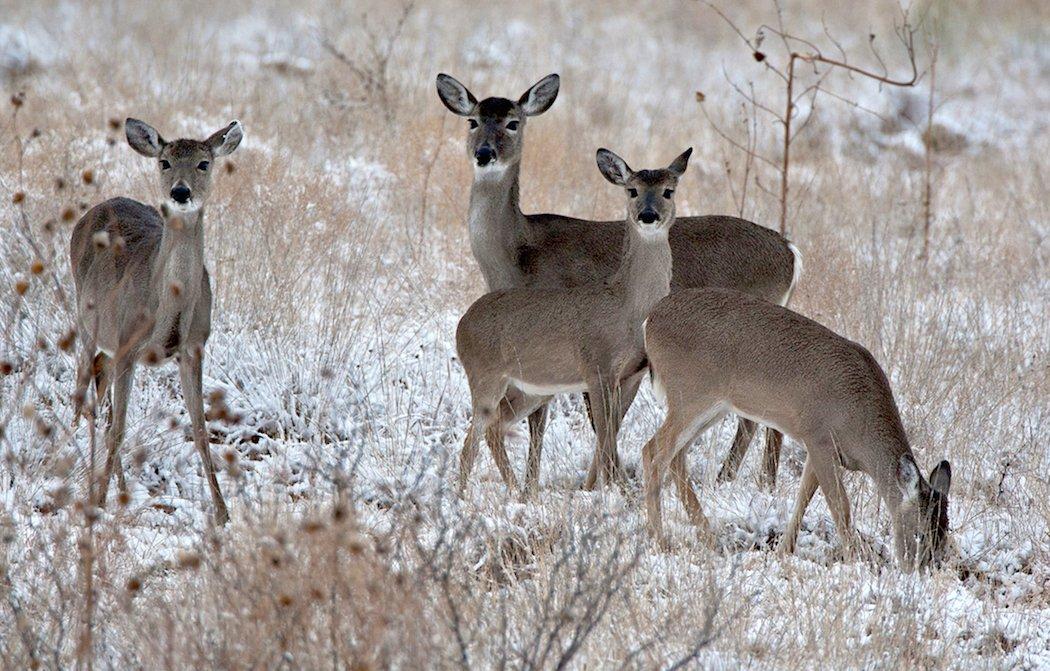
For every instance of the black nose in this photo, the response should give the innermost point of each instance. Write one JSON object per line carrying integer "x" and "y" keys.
{"x": 484, "y": 155}
{"x": 180, "y": 193}
{"x": 648, "y": 216}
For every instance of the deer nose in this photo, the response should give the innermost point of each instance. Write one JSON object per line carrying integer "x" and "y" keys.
{"x": 648, "y": 216}
{"x": 180, "y": 193}
{"x": 484, "y": 154}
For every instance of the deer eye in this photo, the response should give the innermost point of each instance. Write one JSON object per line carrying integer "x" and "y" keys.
{"x": 668, "y": 193}
{"x": 203, "y": 165}
{"x": 633, "y": 193}
{"x": 473, "y": 124}
{"x": 164, "y": 165}
{"x": 512, "y": 125}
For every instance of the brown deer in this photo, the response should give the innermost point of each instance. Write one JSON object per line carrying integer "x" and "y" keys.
{"x": 521, "y": 346}
{"x": 715, "y": 351}
{"x": 552, "y": 251}
{"x": 143, "y": 291}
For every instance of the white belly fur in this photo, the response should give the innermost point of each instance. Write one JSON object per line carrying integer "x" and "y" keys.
{"x": 546, "y": 390}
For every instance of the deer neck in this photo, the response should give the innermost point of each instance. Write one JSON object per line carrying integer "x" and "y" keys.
{"x": 497, "y": 227}
{"x": 180, "y": 262}
{"x": 644, "y": 275}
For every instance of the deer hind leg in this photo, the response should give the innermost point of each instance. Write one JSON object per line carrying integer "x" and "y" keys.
{"x": 671, "y": 440}
{"x": 190, "y": 373}
{"x": 807, "y": 487}
{"x": 686, "y": 493}
{"x": 537, "y": 426}
{"x": 103, "y": 373}
{"x": 745, "y": 432}
{"x": 122, "y": 376}
{"x": 771, "y": 457}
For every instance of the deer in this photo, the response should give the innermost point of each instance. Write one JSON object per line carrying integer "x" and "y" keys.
{"x": 520, "y": 346}
{"x": 516, "y": 250}
{"x": 143, "y": 291}
{"x": 715, "y": 351}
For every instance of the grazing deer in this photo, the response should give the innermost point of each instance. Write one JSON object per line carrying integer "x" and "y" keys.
{"x": 142, "y": 288}
{"x": 535, "y": 342}
{"x": 551, "y": 251}
{"x": 714, "y": 351}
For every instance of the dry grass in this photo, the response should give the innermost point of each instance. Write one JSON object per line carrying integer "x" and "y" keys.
{"x": 340, "y": 261}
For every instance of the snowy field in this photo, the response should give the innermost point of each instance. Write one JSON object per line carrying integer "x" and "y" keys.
{"x": 340, "y": 261}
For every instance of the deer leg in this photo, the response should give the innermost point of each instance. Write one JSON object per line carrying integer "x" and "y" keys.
{"x": 494, "y": 437}
{"x": 537, "y": 425}
{"x": 122, "y": 377}
{"x": 829, "y": 477}
{"x": 103, "y": 372}
{"x": 605, "y": 405}
{"x": 771, "y": 457}
{"x": 190, "y": 373}
{"x": 685, "y": 489}
{"x": 807, "y": 487}
{"x": 471, "y": 443}
{"x": 656, "y": 459}
{"x": 745, "y": 432}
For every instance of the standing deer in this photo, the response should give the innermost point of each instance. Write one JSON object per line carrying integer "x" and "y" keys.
{"x": 552, "y": 251}
{"x": 714, "y": 351}
{"x": 542, "y": 341}
{"x": 143, "y": 291}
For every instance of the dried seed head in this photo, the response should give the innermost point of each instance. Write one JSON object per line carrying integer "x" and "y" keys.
{"x": 188, "y": 560}
{"x": 43, "y": 428}
{"x": 312, "y": 526}
{"x": 18, "y": 99}
{"x": 37, "y": 267}
{"x": 18, "y": 197}
{"x": 41, "y": 344}
{"x": 700, "y": 97}
{"x": 68, "y": 214}
{"x": 134, "y": 584}
{"x": 339, "y": 512}
{"x": 152, "y": 357}
{"x": 123, "y": 498}
{"x": 88, "y": 176}
{"x": 6, "y": 367}
{"x": 65, "y": 343}
{"x": 285, "y": 600}
{"x": 100, "y": 240}
{"x": 759, "y": 56}
{"x": 21, "y": 286}
{"x": 115, "y": 123}
{"x": 176, "y": 289}
{"x": 229, "y": 456}
{"x": 230, "y": 167}
{"x": 216, "y": 396}
{"x": 59, "y": 183}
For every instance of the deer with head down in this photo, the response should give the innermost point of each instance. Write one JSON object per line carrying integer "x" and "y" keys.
{"x": 716, "y": 351}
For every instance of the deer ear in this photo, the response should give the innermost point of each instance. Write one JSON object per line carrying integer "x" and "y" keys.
{"x": 223, "y": 142}
{"x": 143, "y": 138}
{"x": 455, "y": 96}
{"x": 941, "y": 478}
{"x": 908, "y": 479}
{"x": 540, "y": 97}
{"x": 679, "y": 165}
{"x": 613, "y": 167}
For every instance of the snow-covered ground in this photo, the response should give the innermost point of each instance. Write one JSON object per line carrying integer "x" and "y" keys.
{"x": 341, "y": 265}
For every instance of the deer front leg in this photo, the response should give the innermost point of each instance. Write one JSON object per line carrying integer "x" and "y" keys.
{"x": 190, "y": 373}
{"x": 605, "y": 403}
